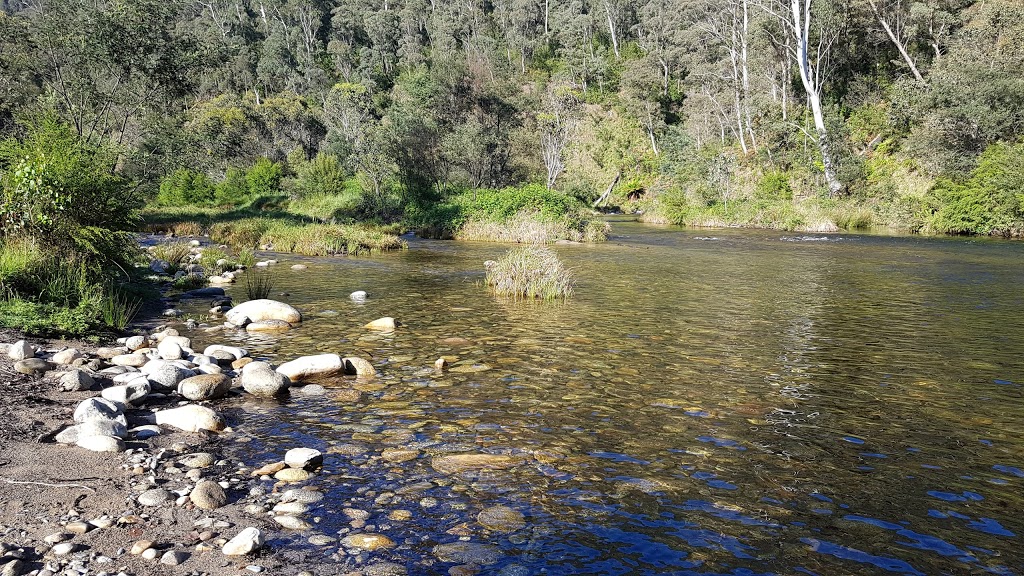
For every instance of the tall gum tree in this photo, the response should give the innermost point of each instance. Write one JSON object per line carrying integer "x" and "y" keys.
{"x": 795, "y": 17}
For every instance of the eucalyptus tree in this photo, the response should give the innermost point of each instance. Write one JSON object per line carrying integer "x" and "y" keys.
{"x": 812, "y": 42}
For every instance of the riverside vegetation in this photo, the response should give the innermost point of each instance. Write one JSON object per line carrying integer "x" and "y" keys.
{"x": 333, "y": 126}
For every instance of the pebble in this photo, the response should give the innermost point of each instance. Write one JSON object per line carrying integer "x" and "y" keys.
{"x": 149, "y": 554}
{"x": 197, "y": 460}
{"x": 63, "y": 548}
{"x": 246, "y": 541}
{"x": 320, "y": 540}
{"x": 58, "y": 537}
{"x": 77, "y": 527}
{"x": 173, "y": 557}
{"x": 468, "y": 553}
{"x": 140, "y": 547}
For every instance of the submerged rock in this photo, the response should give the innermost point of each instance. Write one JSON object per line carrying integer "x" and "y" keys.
{"x": 458, "y": 463}
{"x": 385, "y": 323}
{"x": 368, "y": 542}
{"x": 468, "y": 553}
{"x": 501, "y": 519}
{"x": 268, "y": 326}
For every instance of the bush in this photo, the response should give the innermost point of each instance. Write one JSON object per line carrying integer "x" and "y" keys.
{"x": 184, "y": 187}
{"x": 322, "y": 176}
{"x": 774, "y": 186}
{"x": 543, "y": 215}
{"x": 991, "y": 201}
{"x": 530, "y": 272}
{"x": 264, "y": 178}
{"x": 234, "y": 189}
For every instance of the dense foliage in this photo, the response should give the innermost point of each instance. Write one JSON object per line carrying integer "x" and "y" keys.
{"x": 693, "y": 111}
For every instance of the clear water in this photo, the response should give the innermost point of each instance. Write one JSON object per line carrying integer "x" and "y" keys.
{"x": 710, "y": 402}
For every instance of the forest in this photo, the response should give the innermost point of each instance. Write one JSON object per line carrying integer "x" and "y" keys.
{"x": 799, "y": 114}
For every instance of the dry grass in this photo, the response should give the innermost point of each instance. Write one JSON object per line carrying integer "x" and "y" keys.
{"x": 530, "y": 272}
{"x": 528, "y": 228}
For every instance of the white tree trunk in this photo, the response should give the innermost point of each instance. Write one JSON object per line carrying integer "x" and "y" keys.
{"x": 801, "y": 27}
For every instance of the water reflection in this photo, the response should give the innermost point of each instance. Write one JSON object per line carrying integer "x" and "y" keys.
{"x": 752, "y": 404}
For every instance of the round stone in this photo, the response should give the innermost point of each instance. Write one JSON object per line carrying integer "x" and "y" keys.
{"x": 155, "y": 497}
{"x": 501, "y": 519}
{"x": 208, "y": 495}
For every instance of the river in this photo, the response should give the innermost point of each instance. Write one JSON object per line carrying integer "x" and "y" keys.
{"x": 709, "y": 402}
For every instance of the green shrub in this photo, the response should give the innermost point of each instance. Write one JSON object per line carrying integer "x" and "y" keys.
{"x": 321, "y": 176}
{"x": 184, "y": 187}
{"x": 543, "y": 215}
{"x": 774, "y": 186}
{"x": 530, "y": 272}
{"x": 264, "y": 178}
{"x": 991, "y": 201}
{"x": 234, "y": 189}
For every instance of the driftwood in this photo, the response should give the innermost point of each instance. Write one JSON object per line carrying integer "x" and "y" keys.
{"x": 607, "y": 191}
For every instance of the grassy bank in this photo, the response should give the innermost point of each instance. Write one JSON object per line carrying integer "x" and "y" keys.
{"x": 529, "y": 213}
{"x": 269, "y": 223}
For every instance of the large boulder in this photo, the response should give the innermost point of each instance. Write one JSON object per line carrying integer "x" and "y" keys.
{"x": 235, "y": 351}
{"x": 98, "y": 409}
{"x": 311, "y": 367}
{"x": 132, "y": 393}
{"x": 67, "y": 356}
{"x": 190, "y": 418}
{"x": 32, "y": 366}
{"x": 204, "y": 386}
{"x": 167, "y": 376}
{"x": 263, "y": 309}
{"x": 260, "y": 379}
{"x": 21, "y": 350}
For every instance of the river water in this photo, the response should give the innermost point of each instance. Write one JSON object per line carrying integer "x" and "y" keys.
{"x": 710, "y": 402}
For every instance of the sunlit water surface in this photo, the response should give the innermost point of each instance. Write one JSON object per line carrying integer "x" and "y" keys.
{"x": 710, "y": 402}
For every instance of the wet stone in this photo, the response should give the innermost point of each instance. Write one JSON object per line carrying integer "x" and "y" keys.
{"x": 501, "y": 519}
{"x": 468, "y": 553}
{"x": 369, "y": 542}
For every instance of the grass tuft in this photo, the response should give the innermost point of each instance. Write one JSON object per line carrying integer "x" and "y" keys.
{"x": 529, "y": 272}
{"x": 258, "y": 283}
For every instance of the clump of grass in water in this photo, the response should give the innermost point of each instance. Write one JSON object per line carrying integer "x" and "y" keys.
{"x": 174, "y": 253}
{"x": 258, "y": 283}
{"x": 530, "y": 272}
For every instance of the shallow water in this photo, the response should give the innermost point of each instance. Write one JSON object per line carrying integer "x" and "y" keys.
{"x": 710, "y": 402}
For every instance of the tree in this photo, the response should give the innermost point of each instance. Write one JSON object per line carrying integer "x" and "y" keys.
{"x": 797, "y": 20}
{"x": 556, "y": 123}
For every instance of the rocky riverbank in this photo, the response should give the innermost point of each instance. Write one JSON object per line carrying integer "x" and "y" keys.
{"x": 111, "y": 462}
